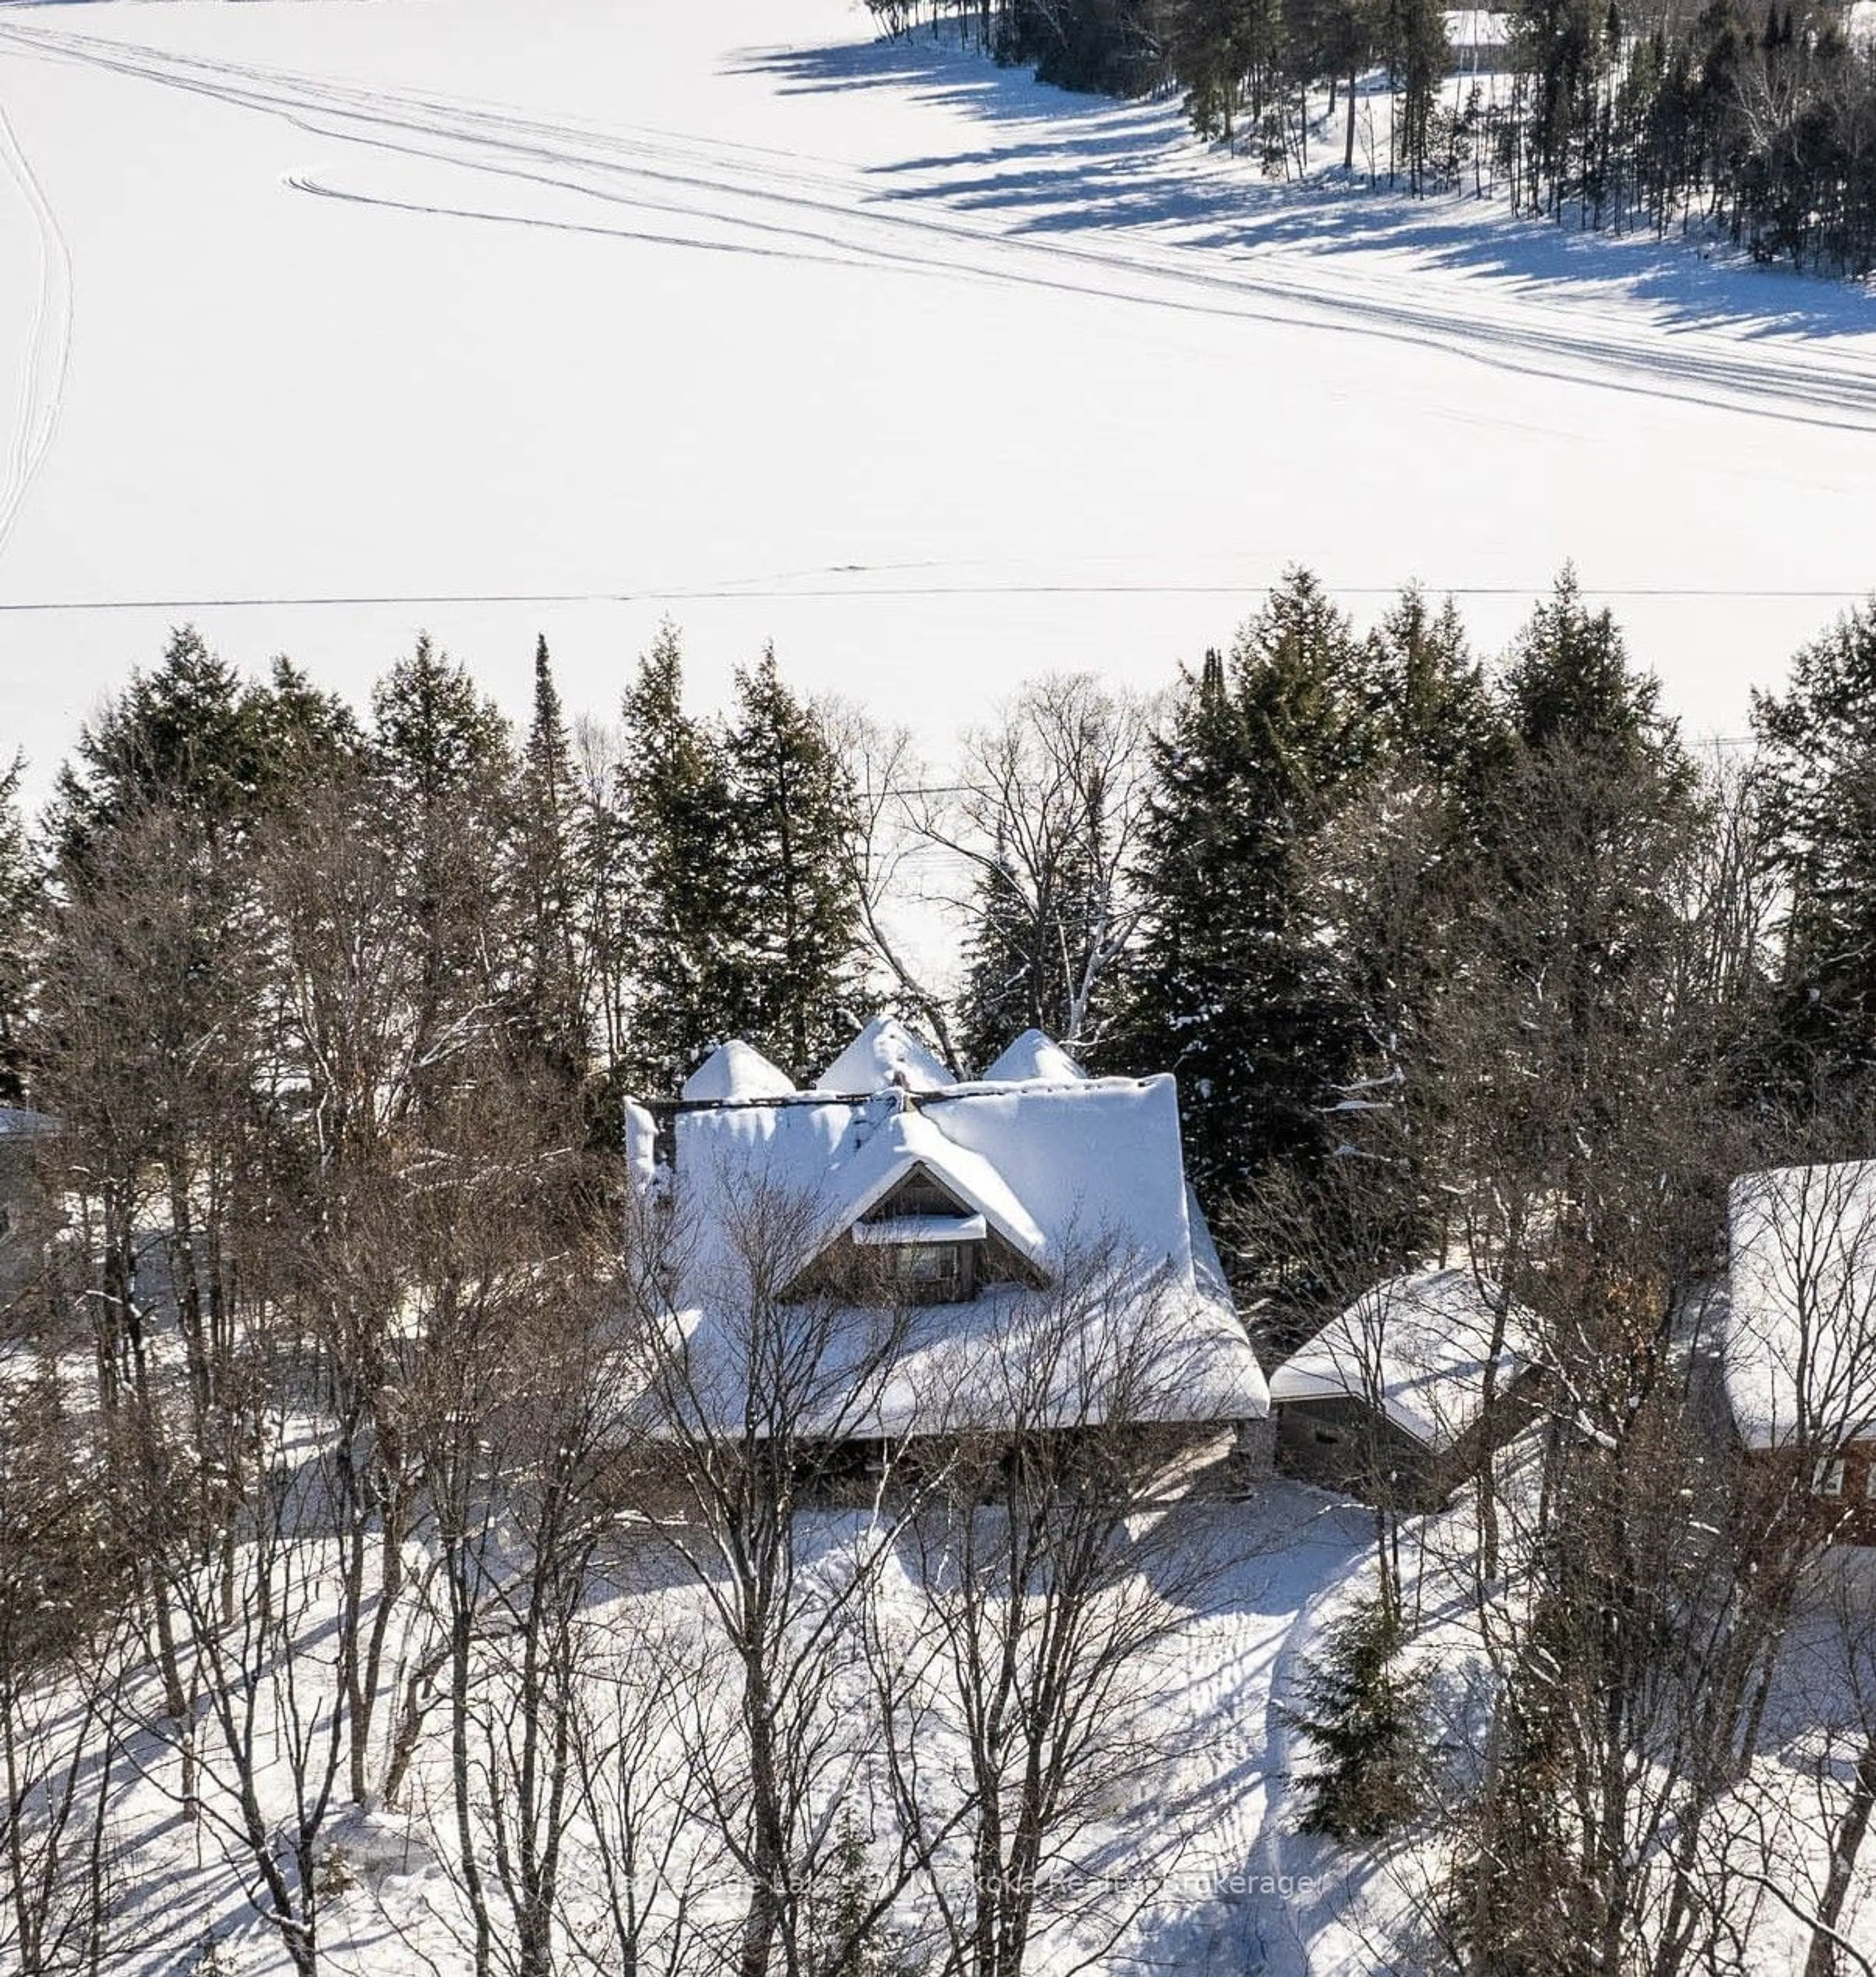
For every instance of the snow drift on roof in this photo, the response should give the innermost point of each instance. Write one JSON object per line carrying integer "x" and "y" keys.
{"x": 885, "y": 1053}
{"x": 736, "y": 1070}
{"x": 1416, "y": 1346}
{"x": 1054, "y": 1168}
{"x": 1035, "y": 1059}
{"x": 1801, "y": 1331}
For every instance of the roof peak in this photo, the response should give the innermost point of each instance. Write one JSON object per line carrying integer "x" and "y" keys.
{"x": 736, "y": 1070}
{"x": 883, "y": 1056}
{"x": 1035, "y": 1058}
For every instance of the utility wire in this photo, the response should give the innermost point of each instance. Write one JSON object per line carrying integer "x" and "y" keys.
{"x": 732, "y": 595}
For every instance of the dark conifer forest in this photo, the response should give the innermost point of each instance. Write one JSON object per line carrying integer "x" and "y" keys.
{"x": 1755, "y": 122}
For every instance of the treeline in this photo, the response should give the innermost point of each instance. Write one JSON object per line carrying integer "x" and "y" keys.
{"x": 1273, "y": 881}
{"x": 1754, "y": 124}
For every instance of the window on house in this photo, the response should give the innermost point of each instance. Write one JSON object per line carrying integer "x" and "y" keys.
{"x": 1827, "y": 1478}
{"x": 925, "y": 1243}
{"x": 929, "y": 1272}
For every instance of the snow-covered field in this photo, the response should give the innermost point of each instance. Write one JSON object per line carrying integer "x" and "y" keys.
{"x": 497, "y": 316}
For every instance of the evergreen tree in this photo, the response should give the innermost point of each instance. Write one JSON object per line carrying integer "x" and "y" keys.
{"x": 550, "y": 1011}
{"x": 303, "y": 737}
{"x": 434, "y": 739}
{"x": 21, "y": 884}
{"x": 796, "y": 967}
{"x": 1366, "y": 1718}
{"x": 1570, "y": 976}
{"x": 1597, "y": 768}
{"x": 1236, "y": 989}
{"x": 182, "y": 738}
{"x": 1570, "y": 684}
{"x": 1397, "y": 873}
{"x": 674, "y": 799}
{"x": 441, "y": 771}
{"x": 191, "y": 740}
{"x": 1819, "y": 739}
{"x": 1438, "y": 725}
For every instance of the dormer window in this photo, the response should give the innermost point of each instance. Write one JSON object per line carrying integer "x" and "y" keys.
{"x": 924, "y": 1239}
{"x": 926, "y": 1244}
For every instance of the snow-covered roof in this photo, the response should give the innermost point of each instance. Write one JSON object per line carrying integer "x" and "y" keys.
{"x": 1035, "y": 1059}
{"x": 16, "y": 1122}
{"x": 884, "y": 1053}
{"x": 1800, "y": 1330}
{"x": 1047, "y": 1357}
{"x": 1416, "y": 1346}
{"x": 1073, "y": 1175}
{"x": 736, "y": 1070}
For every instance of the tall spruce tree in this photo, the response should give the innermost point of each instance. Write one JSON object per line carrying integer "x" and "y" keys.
{"x": 181, "y": 738}
{"x": 1570, "y": 684}
{"x": 189, "y": 738}
{"x": 1819, "y": 743}
{"x": 675, "y": 800}
{"x": 303, "y": 736}
{"x": 441, "y": 770}
{"x": 22, "y": 888}
{"x": 1596, "y": 766}
{"x": 1235, "y": 989}
{"x": 550, "y": 1014}
{"x": 1439, "y": 725}
{"x": 1568, "y": 976}
{"x": 796, "y": 966}
{"x": 1396, "y": 873}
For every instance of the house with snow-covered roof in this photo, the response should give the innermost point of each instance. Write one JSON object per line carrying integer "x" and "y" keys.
{"x": 1799, "y": 1335}
{"x": 1400, "y": 1396}
{"x": 969, "y": 1225}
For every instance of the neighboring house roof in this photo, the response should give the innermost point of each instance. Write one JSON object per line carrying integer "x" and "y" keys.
{"x": 1417, "y": 1348}
{"x": 1800, "y": 1330}
{"x": 14, "y": 1120}
{"x": 1086, "y": 1173}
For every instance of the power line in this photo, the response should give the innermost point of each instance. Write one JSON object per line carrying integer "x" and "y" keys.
{"x": 732, "y": 594}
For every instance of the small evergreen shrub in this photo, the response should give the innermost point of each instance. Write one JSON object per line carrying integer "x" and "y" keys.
{"x": 1366, "y": 1717}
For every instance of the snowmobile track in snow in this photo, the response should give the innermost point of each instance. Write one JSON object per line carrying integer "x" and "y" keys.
{"x": 48, "y": 338}
{"x": 724, "y": 196}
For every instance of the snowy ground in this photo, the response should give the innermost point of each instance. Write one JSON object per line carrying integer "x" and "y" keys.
{"x": 1213, "y": 1828}
{"x": 508, "y": 314}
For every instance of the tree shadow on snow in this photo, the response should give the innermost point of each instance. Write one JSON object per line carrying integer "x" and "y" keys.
{"x": 1084, "y": 165}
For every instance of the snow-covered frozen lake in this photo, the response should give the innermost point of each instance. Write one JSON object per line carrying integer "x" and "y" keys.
{"x": 490, "y": 316}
